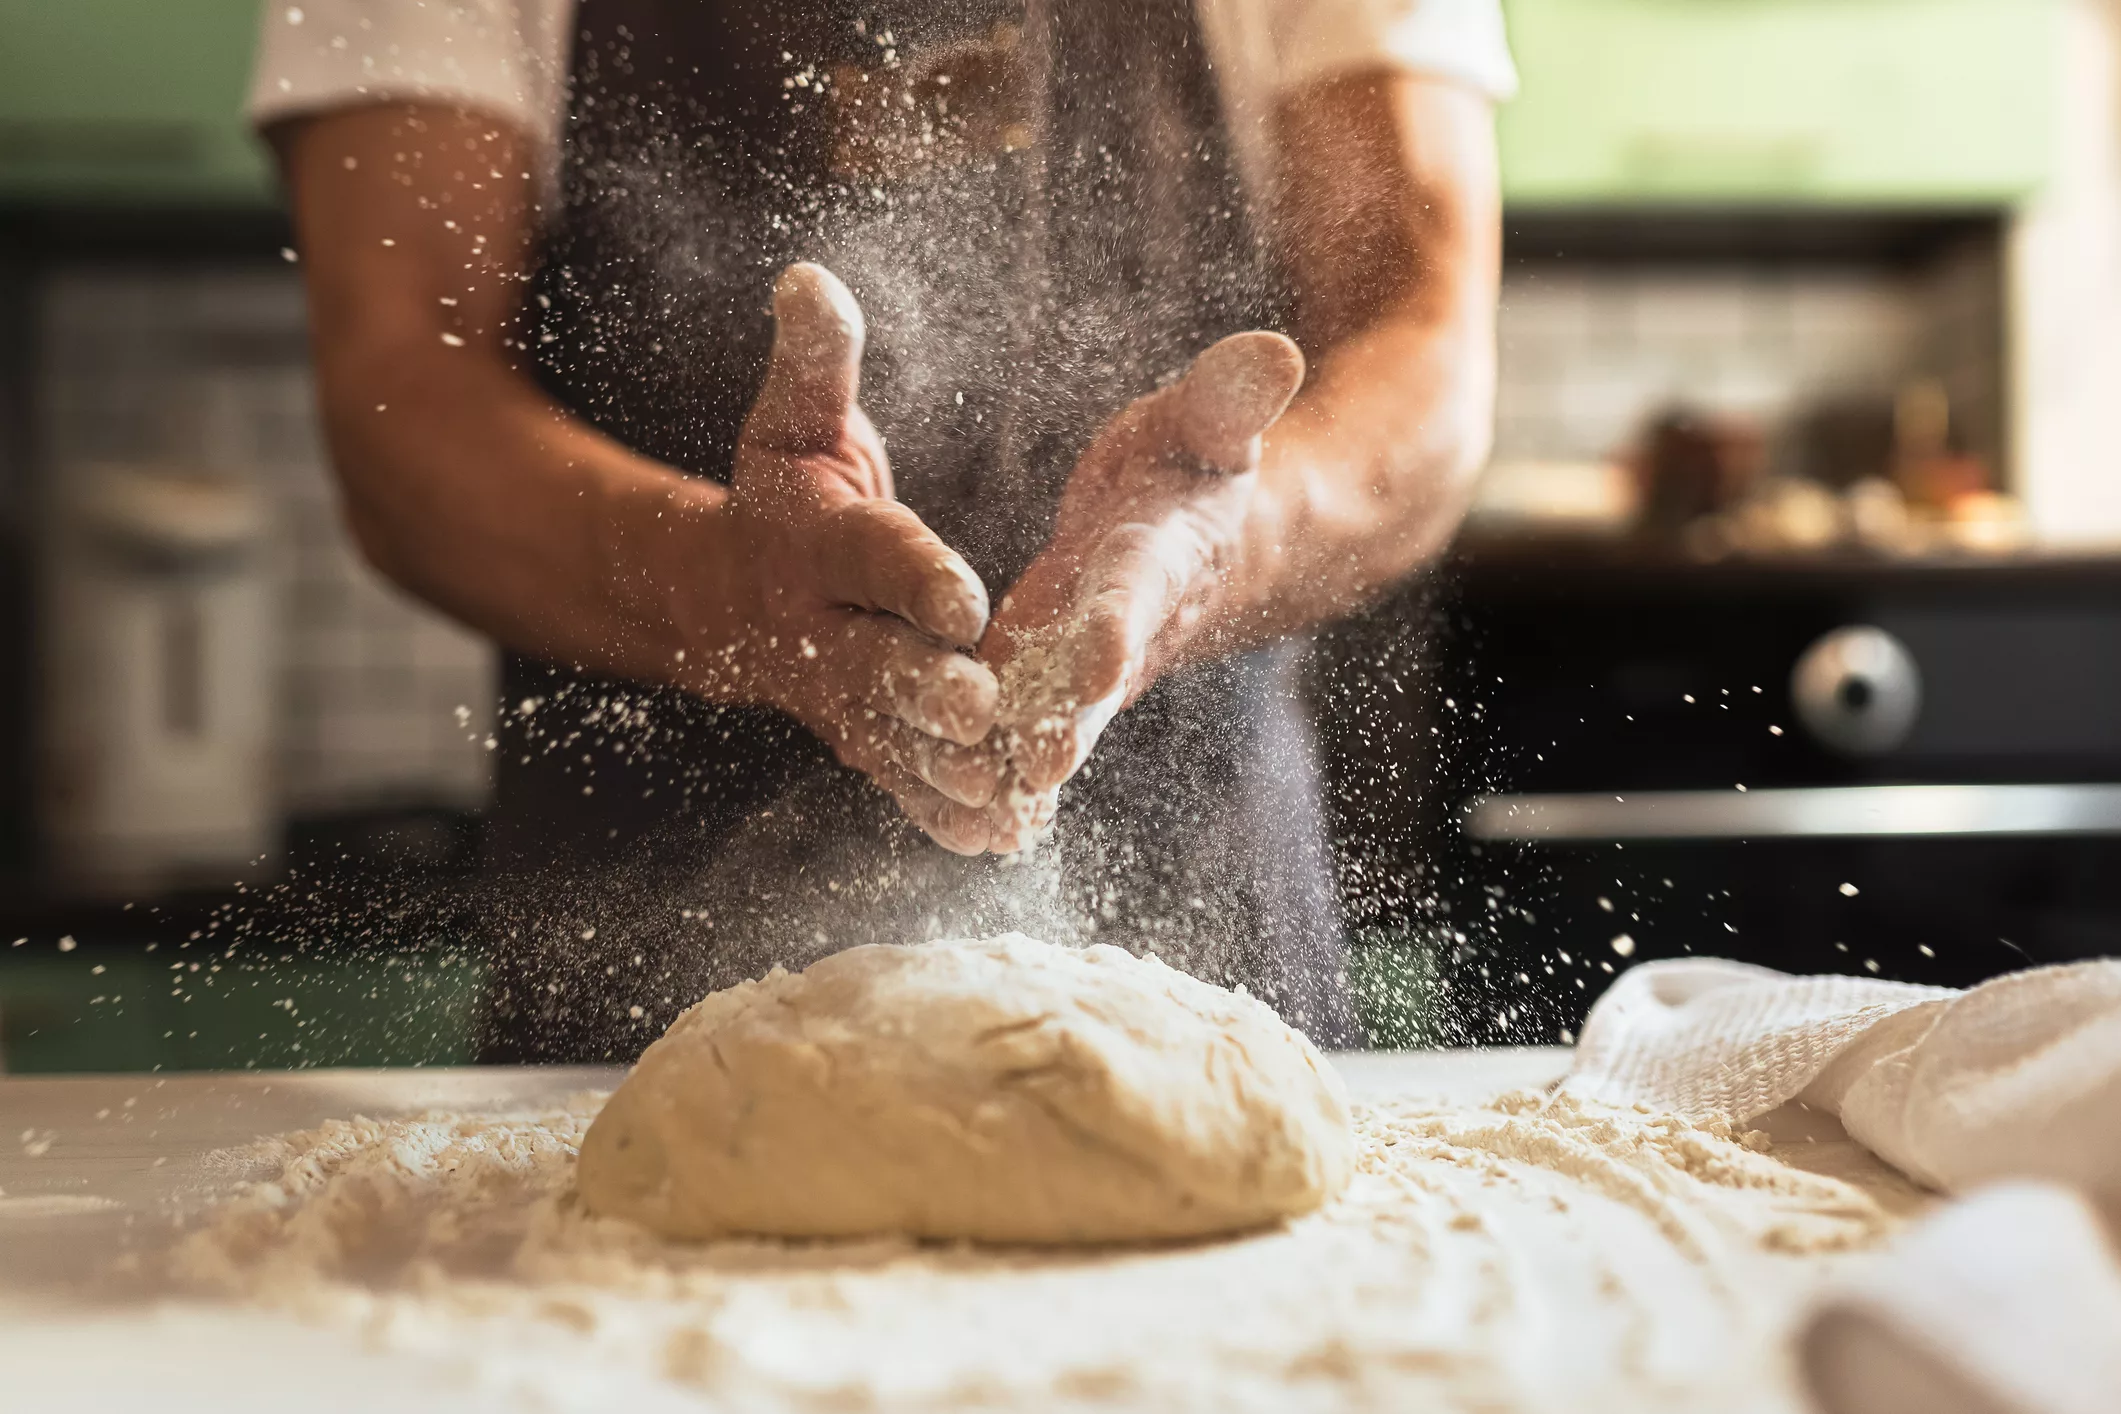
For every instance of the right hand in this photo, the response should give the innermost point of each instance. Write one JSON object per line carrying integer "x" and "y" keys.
{"x": 842, "y": 608}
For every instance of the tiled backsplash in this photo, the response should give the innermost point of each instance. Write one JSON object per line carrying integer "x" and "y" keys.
{"x": 210, "y": 370}
{"x": 1590, "y": 352}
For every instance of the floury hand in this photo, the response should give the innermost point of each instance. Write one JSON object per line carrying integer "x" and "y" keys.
{"x": 1148, "y": 522}
{"x": 843, "y": 609}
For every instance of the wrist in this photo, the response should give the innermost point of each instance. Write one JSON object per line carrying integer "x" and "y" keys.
{"x": 674, "y": 562}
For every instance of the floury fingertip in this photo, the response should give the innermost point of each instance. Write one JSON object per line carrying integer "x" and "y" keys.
{"x": 816, "y": 318}
{"x": 1234, "y": 392}
{"x": 955, "y": 608}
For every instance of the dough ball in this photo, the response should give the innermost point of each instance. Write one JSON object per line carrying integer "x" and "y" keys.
{"x": 1005, "y": 1090}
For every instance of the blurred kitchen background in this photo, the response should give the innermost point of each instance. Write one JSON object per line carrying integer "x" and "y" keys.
{"x": 1805, "y": 478}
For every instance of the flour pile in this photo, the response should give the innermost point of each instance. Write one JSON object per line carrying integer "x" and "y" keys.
{"x": 1528, "y": 1254}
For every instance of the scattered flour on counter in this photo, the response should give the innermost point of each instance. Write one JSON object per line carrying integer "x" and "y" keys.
{"x": 1530, "y": 1254}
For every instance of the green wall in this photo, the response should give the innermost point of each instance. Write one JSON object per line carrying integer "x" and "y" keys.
{"x": 134, "y": 101}
{"x": 1828, "y": 102}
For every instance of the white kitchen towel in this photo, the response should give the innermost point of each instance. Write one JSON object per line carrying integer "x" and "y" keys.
{"x": 2018, "y": 1077}
{"x": 2006, "y": 1303}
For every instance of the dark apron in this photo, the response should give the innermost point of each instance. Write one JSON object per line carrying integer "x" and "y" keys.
{"x": 651, "y": 848}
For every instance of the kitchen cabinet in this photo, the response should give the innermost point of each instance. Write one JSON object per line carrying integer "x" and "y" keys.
{"x": 128, "y": 101}
{"x": 1938, "y": 103}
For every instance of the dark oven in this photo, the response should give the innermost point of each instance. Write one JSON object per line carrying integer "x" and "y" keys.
{"x": 1895, "y": 769}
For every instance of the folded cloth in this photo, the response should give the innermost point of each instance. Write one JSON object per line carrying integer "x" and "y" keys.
{"x": 2006, "y": 1303}
{"x": 2018, "y": 1077}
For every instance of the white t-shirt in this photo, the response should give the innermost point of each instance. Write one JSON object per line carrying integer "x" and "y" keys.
{"x": 510, "y": 57}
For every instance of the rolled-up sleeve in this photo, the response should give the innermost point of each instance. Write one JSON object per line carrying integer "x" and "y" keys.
{"x": 507, "y": 58}
{"x": 1282, "y": 44}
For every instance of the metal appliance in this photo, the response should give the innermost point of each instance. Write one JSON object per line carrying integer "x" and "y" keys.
{"x": 1906, "y": 769}
{"x": 159, "y": 665}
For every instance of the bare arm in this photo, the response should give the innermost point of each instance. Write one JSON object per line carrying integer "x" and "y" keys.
{"x": 803, "y": 585}
{"x": 1389, "y": 220}
{"x": 463, "y": 481}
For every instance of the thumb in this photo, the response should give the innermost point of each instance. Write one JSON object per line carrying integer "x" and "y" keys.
{"x": 1232, "y": 394}
{"x": 814, "y": 376}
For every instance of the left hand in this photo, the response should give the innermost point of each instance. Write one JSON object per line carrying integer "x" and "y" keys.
{"x": 1149, "y": 521}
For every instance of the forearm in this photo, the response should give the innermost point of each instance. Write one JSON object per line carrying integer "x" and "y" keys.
{"x": 1365, "y": 478}
{"x": 1389, "y": 217}
{"x": 470, "y": 488}
{"x": 463, "y": 481}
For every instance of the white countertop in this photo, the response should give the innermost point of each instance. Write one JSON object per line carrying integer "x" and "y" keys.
{"x": 92, "y": 1155}
{"x": 93, "y": 1168}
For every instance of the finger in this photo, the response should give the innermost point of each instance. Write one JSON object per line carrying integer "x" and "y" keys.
{"x": 1131, "y": 586}
{"x": 1017, "y": 817}
{"x": 1130, "y": 590}
{"x": 1048, "y": 751}
{"x": 1033, "y": 610}
{"x": 933, "y": 690}
{"x": 955, "y": 827}
{"x": 1231, "y": 395}
{"x": 814, "y": 375}
{"x": 969, "y": 775}
{"x": 877, "y": 554}
{"x": 879, "y": 663}
{"x": 865, "y": 744}
{"x": 961, "y": 829}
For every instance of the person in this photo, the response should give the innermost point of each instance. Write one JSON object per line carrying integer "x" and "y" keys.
{"x": 865, "y": 429}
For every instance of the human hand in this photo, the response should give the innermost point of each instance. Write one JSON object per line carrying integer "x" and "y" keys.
{"x": 838, "y": 605}
{"x": 1148, "y": 524}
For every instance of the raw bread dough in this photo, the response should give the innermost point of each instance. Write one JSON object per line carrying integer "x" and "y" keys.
{"x": 1003, "y": 1090}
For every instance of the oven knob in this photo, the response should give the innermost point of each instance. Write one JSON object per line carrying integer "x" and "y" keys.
{"x": 1858, "y": 690}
